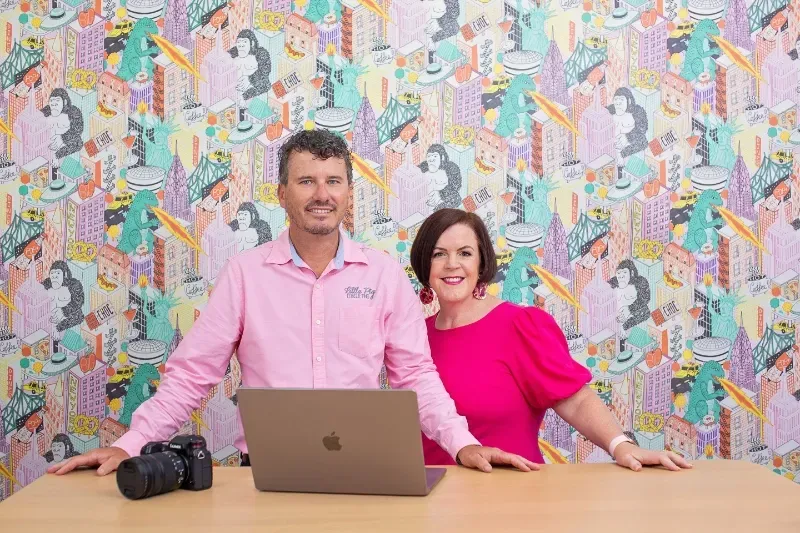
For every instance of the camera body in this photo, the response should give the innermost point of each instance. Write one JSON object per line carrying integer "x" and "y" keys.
{"x": 192, "y": 449}
{"x": 182, "y": 463}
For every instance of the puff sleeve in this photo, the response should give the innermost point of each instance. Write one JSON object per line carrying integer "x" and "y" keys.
{"x": 540, "y": 360}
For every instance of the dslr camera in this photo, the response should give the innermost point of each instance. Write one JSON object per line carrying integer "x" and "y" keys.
{"x": 182, "y": 463}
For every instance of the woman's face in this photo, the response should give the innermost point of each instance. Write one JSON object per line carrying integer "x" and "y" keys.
{"x": 455, "y": 264}
{"x": 434, "y": 161}
{"x": 56, "y": 278}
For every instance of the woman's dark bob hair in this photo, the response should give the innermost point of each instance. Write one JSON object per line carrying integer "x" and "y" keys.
{"x": 433, "y": 227}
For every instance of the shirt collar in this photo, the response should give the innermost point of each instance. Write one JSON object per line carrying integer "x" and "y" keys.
{"x": 283, "y": 251}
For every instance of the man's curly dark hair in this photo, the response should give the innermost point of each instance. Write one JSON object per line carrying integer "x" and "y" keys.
{"x": 322, "y": 144}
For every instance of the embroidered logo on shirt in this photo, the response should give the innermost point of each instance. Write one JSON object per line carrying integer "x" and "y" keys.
{"x": 360, "y": 293}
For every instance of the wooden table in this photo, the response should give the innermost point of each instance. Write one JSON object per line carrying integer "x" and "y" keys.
{"x": 725, "y": 496}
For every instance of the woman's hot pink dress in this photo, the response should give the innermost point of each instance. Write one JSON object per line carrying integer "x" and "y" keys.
{"x": 503, "y": 372}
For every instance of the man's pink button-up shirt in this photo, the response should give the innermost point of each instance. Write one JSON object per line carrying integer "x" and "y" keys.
{"x": 292, "y": 330}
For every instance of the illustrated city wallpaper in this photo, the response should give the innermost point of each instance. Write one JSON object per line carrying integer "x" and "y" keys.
{"x": 633, "y": 160}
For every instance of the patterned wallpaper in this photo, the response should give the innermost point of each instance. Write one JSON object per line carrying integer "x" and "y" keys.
{"x": 634, "y": 162}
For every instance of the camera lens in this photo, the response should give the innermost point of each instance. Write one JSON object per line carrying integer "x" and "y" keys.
{"x": 150, "y": 475}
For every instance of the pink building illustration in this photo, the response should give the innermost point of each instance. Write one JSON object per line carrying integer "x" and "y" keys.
{"x": 4, "y": 118}
{"x": 680, "y": 436}
{"x": 649, "y": 46}
{"x": 54, "y": 412}
{"x": 89, "y": 222}
{"x": 706, "y": 264}
{"x": 519, "y": 147}
{"x": 462, "y": 102}
{"x": 781, "y": 76}
{"x": 222, "y": 420}
{"x": 329, "y": 33}
{"x": 783, "y": 243}
{"x": 54, "y": 232}
{"x": 91, "y": 391}
{"x": 278, "y": 6}
{"x": 656, "y": 395}
{"x": 32, "y": 135}
{"x": 34, "y": 306}
{"x": 707, "y": 436}
{"x": 784, "y": 413}
{"x": 141, "y": 265}
{"x": 85, "y": 45}
{"x": 267, "y": 155}
{"x": 407, "y": 23}
{"x": 219, "y": 74}
{"x": 220, "y": 243}
{"x": 652, "y": 216}
{"x": 737, "y": 427}
{"x": 52, "y": 66}
{"x": 599, "y": 304}
{"x": 32, "y": 466}
{"x": 411, "y": 187}
{"x": 597, "y": 127}
{"x": 705, "y": 92}
{"x": 556, "y": 431}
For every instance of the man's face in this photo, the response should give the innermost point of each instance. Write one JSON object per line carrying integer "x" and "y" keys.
{"x": 317, "y": 194}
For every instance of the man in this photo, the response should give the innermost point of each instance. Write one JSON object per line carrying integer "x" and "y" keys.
{"x": 312, "y": 309}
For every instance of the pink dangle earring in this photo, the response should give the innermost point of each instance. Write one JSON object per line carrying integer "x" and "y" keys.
{"x": 479, "y": 292}
{"x": 426, "y": 295}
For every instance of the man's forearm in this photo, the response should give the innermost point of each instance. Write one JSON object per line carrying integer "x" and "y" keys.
{"x": 194, "y": 368}
{"x": 438, "y": 416}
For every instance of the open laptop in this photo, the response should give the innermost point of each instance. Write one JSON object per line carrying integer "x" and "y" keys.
{"x": 336, "y": 441}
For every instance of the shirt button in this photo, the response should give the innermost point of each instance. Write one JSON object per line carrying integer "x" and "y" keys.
{"x": 318, "y": 322}
{"x": 319, "y": 359}
{"x": 319, "y": 286}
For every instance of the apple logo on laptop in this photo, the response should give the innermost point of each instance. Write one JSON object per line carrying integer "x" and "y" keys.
{"x": 331, "y": 442}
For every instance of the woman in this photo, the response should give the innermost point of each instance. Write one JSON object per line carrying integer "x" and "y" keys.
{"x": 505, "y": 365}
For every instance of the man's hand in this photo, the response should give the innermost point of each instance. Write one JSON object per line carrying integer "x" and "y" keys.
{"x": 106, "y": 459}
{"x": 631, "y": 456}
{"x": 483, "y": 457}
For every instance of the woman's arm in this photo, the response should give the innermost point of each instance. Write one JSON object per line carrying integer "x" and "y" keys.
{"x": 589, "y": 415}
{"x": 550, "y": 378}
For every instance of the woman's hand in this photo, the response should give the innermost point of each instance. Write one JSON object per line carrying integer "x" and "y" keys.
{"x": 631, "y": 456}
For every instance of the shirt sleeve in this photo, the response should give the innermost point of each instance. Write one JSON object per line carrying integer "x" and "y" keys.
{"x": 541, "y": 362}
{"x": 197, "y": 364}
{"x": 409, "y": 366}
